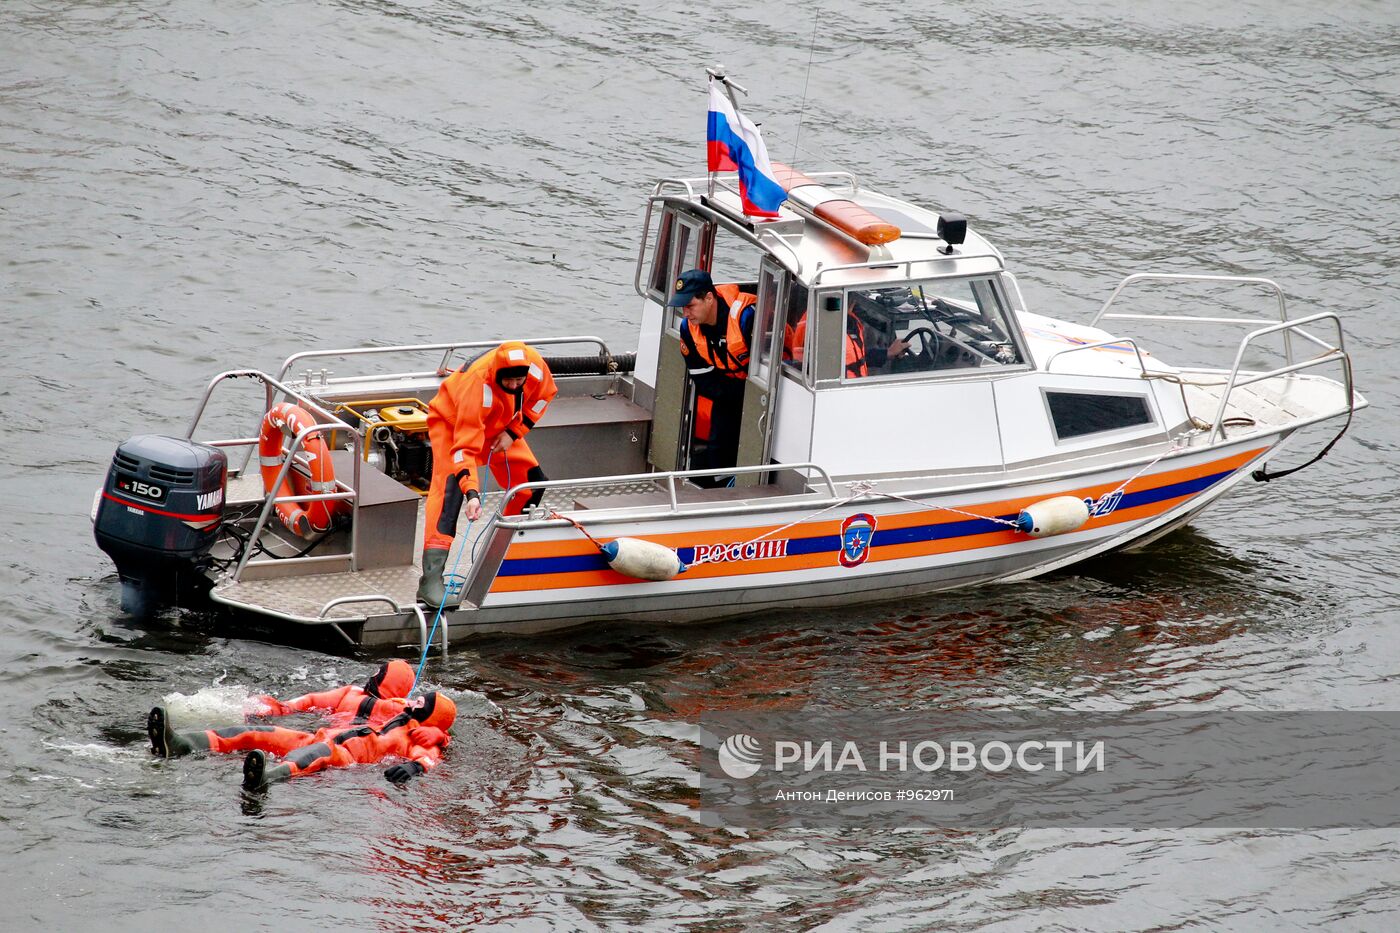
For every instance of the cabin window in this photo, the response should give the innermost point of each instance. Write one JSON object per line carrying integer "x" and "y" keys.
{"x": 684, "y": 254}
{"x": 1079, "y": 414}
{"x": 659, "y": 283}
{"x": 733, "y": 260}
{"x": 769, "y": 306}
{"x": 940, "y": 325}
{"x": 729, "y": 259}
{"x": 795, "y": 329}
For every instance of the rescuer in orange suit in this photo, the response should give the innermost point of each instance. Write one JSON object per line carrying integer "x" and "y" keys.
{"x": 379, "y": 700}
{"x": 715, "y": 337}
{"x": 481, "y": 415}
{"x": 859, "y": 358}
{"x": 418, "y": 734}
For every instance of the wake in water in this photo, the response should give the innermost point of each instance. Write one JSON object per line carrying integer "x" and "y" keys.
{"x": 220, "y": 705}
{"x": 212, "y": 707}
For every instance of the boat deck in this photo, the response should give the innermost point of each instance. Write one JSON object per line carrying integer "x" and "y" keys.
{"x": 304, "y": 597}
{"x": 1271, "y": 404}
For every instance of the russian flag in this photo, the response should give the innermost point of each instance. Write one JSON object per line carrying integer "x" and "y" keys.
{"x": 734, "y": 144}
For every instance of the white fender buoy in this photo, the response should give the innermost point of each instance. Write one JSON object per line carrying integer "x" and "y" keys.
{"x": 1053, "y": 516}
{"x": 645, "y": 560}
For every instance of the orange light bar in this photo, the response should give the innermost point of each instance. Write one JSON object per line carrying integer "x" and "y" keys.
{"x": 789, "y": 177}
{"x": 850, "y": 218}
{"x": 845, "y": 215}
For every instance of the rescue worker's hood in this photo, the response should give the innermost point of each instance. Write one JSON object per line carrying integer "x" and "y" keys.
{"x": 393, "y": 680}
{"x": 436, "y": 710}
{"x": 511, "y": 359}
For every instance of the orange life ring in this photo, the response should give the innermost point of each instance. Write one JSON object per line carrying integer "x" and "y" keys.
{"x": 305, "y": 478}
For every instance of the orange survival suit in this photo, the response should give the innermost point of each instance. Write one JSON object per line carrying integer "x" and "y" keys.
{"x": 378, "y": 701}
{"x": 470, "y": 411}
{"x": 418, "y": 734}
{"x": 858, "y": 359}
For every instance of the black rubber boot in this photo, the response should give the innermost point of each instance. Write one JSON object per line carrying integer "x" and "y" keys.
{"x": 432, "y": 592}
{"x": 166, "y": 742}
{"x": 257, "y": 774}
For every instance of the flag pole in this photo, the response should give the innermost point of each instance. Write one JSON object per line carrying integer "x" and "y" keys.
{"x": 716, "y": 73}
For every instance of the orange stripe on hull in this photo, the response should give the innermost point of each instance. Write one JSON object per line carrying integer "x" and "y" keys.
{"x": 589, "y": 578}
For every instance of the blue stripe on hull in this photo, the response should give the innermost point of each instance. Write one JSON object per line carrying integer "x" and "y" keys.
{"x": 523, "y": 566}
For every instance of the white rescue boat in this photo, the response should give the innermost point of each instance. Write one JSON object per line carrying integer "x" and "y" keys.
{"x": 1001, "y": 445}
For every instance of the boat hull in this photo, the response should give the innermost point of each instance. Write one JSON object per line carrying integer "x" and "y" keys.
{"x": 551, "y": 578}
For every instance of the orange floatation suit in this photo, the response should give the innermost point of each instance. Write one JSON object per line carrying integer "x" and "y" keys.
{"x": 378, "y": 701}
{"x": 418, "y": 734}
{"x": 470, "y": 411}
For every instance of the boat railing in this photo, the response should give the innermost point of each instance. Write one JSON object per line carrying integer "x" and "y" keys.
{"x": 1102, "y": 344}
{"x": 483, "y": 569}
{"x": 413, "y": 609}
{"x": 1331, "y": 353}
{"x": 447, "y": 349}
{"x": 688, "y": 185}
{"x": 344, "y": 491}
{"x": 909, "y": 264}
{"x": 670, "y": 477}
{"x": 1136, "y": 277}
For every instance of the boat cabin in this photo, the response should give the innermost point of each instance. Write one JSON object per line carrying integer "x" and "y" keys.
{"x": 889, "y": 341}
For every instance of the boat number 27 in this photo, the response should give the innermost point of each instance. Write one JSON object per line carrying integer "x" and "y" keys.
{"x": 1105, "y": 505}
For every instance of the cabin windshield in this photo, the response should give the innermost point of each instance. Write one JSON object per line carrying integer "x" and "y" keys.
{"x": 932, "y": 326}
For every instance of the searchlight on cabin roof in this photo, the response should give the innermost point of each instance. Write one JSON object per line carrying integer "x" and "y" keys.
{"x": 952, "y": 229}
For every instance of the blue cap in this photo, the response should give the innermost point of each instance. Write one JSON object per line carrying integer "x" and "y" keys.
{"x": 691, "y": 284}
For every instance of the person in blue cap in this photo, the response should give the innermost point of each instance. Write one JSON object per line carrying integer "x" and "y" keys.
{"x": 715, "y": 336}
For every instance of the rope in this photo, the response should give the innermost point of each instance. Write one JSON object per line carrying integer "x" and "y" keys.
{"x": 1176, "y": 445}
{"x": 554, "y": 514}
{"x": 858, "y": 490}
{"x": 946, "y": 508}
{"x": 437, "y": 617}
{"x": 1262, "y": 475}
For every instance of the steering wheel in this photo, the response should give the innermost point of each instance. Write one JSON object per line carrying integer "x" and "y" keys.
{"x": 930, "y": 341}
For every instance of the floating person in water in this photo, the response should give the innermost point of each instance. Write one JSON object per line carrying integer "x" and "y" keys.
{"x": 381, "y": 698}
{"x": 418, "y": 734}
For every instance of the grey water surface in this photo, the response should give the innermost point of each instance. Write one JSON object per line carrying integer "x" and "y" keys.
{"x": 189, "y": 186}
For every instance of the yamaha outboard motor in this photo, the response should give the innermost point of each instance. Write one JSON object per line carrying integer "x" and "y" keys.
{"x": 158, "y": 514}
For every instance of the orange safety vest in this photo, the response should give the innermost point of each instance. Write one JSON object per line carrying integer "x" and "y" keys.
{"x": 730, "y": 355}
{"x": 796, "y": 338}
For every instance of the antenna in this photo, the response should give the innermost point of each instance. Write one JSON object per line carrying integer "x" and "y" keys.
{"x": 802, "y": 111}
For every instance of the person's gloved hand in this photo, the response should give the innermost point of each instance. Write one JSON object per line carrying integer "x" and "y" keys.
{"x": 402, "y": 774}
{"x": 427, "y": 736}
{"x": 467, "y": 483}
